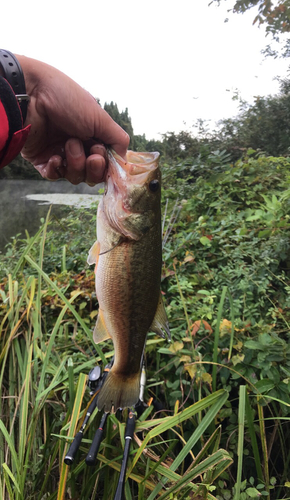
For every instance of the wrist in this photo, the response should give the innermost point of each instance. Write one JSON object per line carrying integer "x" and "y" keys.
{"x": 30, "y": 73}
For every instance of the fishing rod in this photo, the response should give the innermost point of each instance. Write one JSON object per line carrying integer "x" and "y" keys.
{"x": 95, "y": 382}
{"x": 129, "y": 433}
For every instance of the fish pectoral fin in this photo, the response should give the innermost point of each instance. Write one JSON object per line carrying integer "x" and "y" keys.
{"x": 94, "y": 252}
{"x": 100, "y": 331}
{"x": 160, "y": 321}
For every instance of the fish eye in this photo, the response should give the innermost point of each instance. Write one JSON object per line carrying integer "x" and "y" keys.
{"x": 154, "y": 185}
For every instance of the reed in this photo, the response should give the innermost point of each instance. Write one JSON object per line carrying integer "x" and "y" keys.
{"x": 46, "y": 352}
{"x": 43, "y": 381}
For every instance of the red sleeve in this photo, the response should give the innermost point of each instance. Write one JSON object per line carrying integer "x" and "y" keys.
{"x": 4, "y": 127}
{"x": 12, "y": 133}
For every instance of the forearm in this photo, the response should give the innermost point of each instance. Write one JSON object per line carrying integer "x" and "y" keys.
{"x": 65, "y": 121}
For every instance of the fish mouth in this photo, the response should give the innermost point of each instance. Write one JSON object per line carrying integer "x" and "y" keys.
{"x": 135, "y": 163}
{"x": 126, "y": 186}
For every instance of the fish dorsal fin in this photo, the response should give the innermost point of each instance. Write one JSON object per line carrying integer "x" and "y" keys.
{"x": 100, "y": 331}
{"x": 160, "y": 321}
{"x": 94, "y": 254}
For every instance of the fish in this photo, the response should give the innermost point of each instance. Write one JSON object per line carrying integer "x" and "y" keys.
{"x": 128, "y": 259}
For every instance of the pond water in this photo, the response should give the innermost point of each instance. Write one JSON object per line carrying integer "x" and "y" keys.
{"x": 24, "y": 202}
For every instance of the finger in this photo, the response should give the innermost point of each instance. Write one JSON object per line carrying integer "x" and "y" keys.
{"x": 95, "y": 169}
{"x": 99, "y": 149}
{"x": 111, "y": 133}
{"x": 53, "y": 169}
{"x": 75, "y": 161}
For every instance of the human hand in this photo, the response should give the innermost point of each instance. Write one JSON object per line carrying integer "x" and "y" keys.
{"x": 68, "y": 127}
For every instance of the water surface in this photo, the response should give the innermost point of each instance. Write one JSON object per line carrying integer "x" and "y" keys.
{"x": 24, "y": 202}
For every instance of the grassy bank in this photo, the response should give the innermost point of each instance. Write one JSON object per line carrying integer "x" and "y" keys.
{"x": 223, "y": 383}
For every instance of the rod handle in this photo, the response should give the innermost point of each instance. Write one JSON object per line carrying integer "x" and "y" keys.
{"x": 70, "y": 456}
{"x": 93, "y": 451}
{"x": 130, "y": 426}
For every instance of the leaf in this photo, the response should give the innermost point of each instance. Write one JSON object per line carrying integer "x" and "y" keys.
{"x": 185, "y": 359}
{"x": 176, "y": 346}
{"x": 72, "y": 428}
{"x": 264, "y": 385}
{"x": 210, "y": 415}
{"x": 242, "y": 231}
{"x": 6, "y": 468}
{"x": 252, "y": 492}
{"x": 188, "y": 258}
{"x": 205, "y": 241}
{"x": 191, "y": 369}
{"x": 225, "y": 327}
{"x": 238, "y": 358}
{"x": 264, "y": 233}
{"x": 207, "y": 326}
{"x": 252, "y": 344}
{"x": 207, "y": 378}
{"x": 196, "y": 326}
{"x": 238, "y": 346}
{"x": 257, "y": 215}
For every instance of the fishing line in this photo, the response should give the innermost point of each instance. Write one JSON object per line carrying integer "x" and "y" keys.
{"x": 107, "y": 251}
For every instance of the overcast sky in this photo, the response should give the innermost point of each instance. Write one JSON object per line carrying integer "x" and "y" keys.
{"x": 169, "y": 62}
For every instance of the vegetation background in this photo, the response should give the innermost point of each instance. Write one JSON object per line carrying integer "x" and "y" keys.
{"x": 219, "y": 426}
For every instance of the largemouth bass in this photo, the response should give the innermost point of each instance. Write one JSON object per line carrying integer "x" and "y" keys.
{"x": 127, "y": 255}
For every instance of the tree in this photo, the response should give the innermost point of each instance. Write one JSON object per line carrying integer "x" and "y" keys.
{"x": 122, "y": 118}
{"x": 137, "y": 142}
{"x": 264, "y": 126}
{"x": 275, "y": 15}
{"x": 19, "y": 169}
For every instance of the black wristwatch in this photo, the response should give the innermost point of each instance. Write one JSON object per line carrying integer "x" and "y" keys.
{"x": 12, "y": 72}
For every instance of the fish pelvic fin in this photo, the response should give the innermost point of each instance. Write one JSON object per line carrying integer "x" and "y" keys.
{"x": 100, "y": 331}
{"x": 160, "y": 321}
{"x": 119, "y": 391}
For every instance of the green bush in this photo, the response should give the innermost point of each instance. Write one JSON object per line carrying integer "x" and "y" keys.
{"x": 225, "y": 280}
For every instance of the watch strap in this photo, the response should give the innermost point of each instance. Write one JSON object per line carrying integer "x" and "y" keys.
{"x": 13, "y": 73}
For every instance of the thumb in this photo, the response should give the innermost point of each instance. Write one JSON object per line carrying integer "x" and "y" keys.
{"x": 110, "y": 133}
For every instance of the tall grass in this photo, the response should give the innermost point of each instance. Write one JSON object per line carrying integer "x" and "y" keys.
{"x": 42, "y": 388}
{"x": 184, "y": 452}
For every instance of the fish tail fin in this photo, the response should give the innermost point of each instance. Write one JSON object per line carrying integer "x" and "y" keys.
{"x": 119, "y": 391}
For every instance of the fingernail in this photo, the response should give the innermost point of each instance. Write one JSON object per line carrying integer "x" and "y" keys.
{"x": 98, "y": 149}
{"x": 95, "y": 171}
{"x": 75, "y": 147}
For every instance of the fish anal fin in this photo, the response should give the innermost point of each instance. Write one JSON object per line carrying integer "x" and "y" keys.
{"x": 160, "y": 321}
{"x": 94, "y": 252}
{"x": 119, "y": 391}
{"x": 100, "y": 331}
